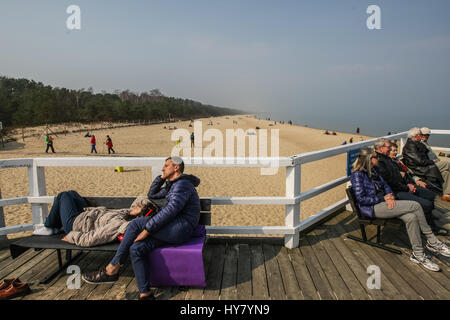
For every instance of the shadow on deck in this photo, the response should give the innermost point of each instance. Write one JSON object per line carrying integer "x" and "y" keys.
{"x": 326, "y": 265}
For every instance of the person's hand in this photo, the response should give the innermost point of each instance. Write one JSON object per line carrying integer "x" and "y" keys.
{"x": 436, "y": 160}
{"x": 144, "y": 234}
{"x": 421, "y": 184}
{"x": 64, "y": 239}
{"x": 412, "y": 188}
{"x": 135, "y": 211}
{"x": 389, "y": 196}
{"x": 390, "y": 203}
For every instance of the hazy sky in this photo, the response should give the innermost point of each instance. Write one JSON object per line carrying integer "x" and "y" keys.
{"x": 301, "y": 59}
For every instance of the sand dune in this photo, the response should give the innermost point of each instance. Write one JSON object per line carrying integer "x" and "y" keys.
{"x": 154, "y": 140}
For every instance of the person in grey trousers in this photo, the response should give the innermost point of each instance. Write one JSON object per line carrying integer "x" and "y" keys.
{"x": 375, "y": 199}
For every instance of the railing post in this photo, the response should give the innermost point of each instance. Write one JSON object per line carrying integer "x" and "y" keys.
{"x": 293, "y": 181}
{"x": 156, "y": 171}
{"x": 36, "y": 180}
{"x": 402, "y": 144}
{"x": 2, "y": 219}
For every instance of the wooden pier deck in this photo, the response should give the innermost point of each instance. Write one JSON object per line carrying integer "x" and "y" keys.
{"x": 327, "y": 265}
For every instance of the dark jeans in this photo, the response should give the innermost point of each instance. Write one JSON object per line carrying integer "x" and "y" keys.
{"x": 93, "y": 148}
{"x": 66, "y": 207}
{"x": 111, "y": 149}
{"x": 174, "y": 232}
{"x": 423, "y": 196}
{"x": 50, "y": 146}
{"x": 138, "y": 252}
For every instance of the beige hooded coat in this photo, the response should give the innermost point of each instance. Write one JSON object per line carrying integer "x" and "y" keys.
{"x": 99, "y": 225}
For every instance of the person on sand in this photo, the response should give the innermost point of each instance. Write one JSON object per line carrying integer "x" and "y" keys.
{"x": 109, "y": 144}
{"x": 192, "y": 140}
{"x": 89, "y": 226}
{"x": 93, "y": 143}
{"x": 49, "y": 142}
{"x": 173, "y": 224}
{"x": 375, "y": 198}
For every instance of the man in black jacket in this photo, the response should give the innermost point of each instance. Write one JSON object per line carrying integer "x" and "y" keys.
{"x": 404, "y": 187}
{"x": 415, "y": 157}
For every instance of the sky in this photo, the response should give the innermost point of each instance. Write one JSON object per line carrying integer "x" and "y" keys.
{"x": 313, "y": 62}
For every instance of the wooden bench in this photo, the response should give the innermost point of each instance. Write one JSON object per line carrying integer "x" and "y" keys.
{"x": 364, "y": 221}
{"x": 160, "y": 257}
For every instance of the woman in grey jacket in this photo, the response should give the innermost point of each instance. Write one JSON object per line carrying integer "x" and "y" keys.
{"x": 88, "y": 226}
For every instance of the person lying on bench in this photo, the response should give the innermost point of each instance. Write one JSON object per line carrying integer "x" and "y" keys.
{"x": 174, "y": 224}
{"x": 375, "y": 199}
{"x": 88, "y": 226}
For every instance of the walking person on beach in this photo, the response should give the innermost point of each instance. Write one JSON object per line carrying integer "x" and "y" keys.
{"x": 173, "y": 224}
{"x": 93, "y": 142}
{"x": 49, "y": 141}
{"x": 192, "y": 140}
{"x": 109, "y": 144}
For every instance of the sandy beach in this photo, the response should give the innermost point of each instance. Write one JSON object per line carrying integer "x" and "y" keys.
{"x": 154, "y": 140}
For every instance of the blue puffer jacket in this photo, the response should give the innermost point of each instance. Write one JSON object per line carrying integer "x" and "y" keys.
{"x": 182, "y": 212}
{"x": 365, "y": 192}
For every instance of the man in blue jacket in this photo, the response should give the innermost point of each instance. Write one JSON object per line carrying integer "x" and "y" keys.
{"x": 173, "y": 224}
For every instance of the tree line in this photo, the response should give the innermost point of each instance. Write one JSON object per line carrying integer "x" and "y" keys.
{"x": 25, "y": 102}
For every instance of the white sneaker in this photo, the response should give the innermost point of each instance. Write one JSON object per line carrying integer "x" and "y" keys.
{"x": 424, "y": 262}
{"x": 44, "y": 231}
{"x": 439, "y": 248}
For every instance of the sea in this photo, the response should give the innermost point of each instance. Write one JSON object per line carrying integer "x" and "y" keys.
{"x": 367, "y": 126}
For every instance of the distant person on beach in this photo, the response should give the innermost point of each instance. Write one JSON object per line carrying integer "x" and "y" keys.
{"x": 326, "y": 132}
{"x": 415, "y": 157}
{"x": 173, "y": 224}
{"x": 351, "y": 140}
{"x": 49, "y": 141}
{"x": 109, "y": 144}
{"x": 375, "y": 198}
{"x": 89, "y": 226}
{"x": 93, "y": 143}
{"x": 357, "y": 130}
{"x": 402, "y": 185}
{"x": 443, "y": 166}
{"x": 192, "y": 140}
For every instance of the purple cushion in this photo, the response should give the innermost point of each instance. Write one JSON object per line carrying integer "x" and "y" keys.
{"x": 179, "y": 265}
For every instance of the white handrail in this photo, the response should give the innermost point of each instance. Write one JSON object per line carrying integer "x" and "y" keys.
{"x": 39, "y": 200}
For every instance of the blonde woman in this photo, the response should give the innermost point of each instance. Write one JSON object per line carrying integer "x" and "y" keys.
{"x": 376, "y": 200}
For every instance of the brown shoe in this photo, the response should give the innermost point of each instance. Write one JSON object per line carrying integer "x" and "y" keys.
{"x": 5, "y": 283}
{"x": 446, "y": 197}
{"x": 15, "y": 289}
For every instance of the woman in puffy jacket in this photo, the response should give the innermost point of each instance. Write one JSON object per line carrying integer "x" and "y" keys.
{"x": 375, "y": 200}
{"x": 88, "y": 226}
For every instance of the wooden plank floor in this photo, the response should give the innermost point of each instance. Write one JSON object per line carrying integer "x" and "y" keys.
{"x": 326, "y": 265}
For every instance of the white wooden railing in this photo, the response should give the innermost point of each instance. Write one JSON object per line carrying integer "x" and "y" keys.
{"x": 292, "y": 200}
